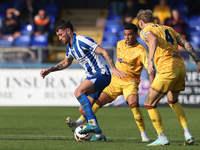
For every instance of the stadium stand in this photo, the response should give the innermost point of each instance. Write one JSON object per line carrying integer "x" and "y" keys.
{"x": 23, "y": 40}
{"x": 85, "y": 22}
{"x": 39, "y": 40}
{"x": 26, "y": 29}
{"x": 6, "y": 40}
{"x": 103, "y": 25}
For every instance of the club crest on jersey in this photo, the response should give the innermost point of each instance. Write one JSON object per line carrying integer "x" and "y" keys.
{"x": 120, "y": 60}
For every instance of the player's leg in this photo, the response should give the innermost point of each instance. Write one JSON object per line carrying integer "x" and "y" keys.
{"x": 180, "y": 114}
{"x": 133, "y": 103}
{"x": 174, "y": 104}
{"x": 102, "y": 100}
{"x": 74, "y": 124}
{"x": 84, "y": 89}
{"x": 89, "y": 86}
{"x": 150, "y": 104}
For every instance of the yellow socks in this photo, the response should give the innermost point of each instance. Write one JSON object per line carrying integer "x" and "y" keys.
{"x": 138, "y": 118}
{"x": 95, "y": 108}
{"x": 180, "y": 114}
{"x": 156, "y": 120}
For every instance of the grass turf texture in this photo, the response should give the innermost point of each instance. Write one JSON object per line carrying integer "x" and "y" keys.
{"x": 44, "y": 128}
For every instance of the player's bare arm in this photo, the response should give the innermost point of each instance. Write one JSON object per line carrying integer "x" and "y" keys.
{"x": 151, "y": 77}
{"x": 107, "y": 56}
{"x": 151, "y": 38}
{"x": 60, "y": 66}
{"x": 184, "y": 43}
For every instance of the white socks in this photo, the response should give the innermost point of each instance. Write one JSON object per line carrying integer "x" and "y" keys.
{"x": 79, "y": 122}
{"x": 162, "y": 136}
{"x": 186, "y": 132}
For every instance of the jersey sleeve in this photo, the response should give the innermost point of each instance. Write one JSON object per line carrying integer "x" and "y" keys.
{"x": 68, "y": 53}
{"x": 144, "y": 58}
{"x": 143, "y": 34}
{"x": 88, "y": 44}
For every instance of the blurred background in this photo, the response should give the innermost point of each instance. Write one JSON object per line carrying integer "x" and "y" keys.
{"x": 28, "y": 43}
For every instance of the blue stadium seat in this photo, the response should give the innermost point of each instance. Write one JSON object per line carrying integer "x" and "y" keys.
{"x": 2, "y": 17}
{"x": 183, "y": 10}
{"x": 113, "y": 17}
{"x": 112, "y": 28}
{"x": 108, "y": 45}
{"x": 26, "y": 29}
{"x": 193, "y": 23}
{"x": 51, "y": 9}
{"x": 195, "y": 37}
{"x": 121, "y": 35}
{"x": 110, "y": 37}
{"x": 194, "y": 17}
{"x": 23, "y": 40}
{"x": 52, "y": 18}
{"x": 39, "y": 40}
{"x": 6, "y": 40}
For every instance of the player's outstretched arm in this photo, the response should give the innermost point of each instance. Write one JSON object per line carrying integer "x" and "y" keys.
{"x": 107, "y": 56}
{"x": 60, "y": 66}
{"x": 151, "y": 38}
{"x": 184, "y": 43}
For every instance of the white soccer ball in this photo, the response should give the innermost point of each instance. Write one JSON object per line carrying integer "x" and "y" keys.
{"x": 82, "y": 137}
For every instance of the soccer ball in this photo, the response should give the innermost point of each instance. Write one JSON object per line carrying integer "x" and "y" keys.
{"x": 82, "y": 137}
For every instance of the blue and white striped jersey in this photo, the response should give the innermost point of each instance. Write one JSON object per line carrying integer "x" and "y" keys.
{"x": 83, "y": 50}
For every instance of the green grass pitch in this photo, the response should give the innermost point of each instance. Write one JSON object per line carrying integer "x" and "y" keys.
{"x": 44, "y": 128}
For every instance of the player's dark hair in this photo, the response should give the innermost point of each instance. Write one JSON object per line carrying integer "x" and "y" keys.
{"x": 63, "y": 24}
{"x": 131, "y": 26}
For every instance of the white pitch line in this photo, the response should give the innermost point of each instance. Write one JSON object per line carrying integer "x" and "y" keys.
{"x": 56, "y": 136}
{"x": 63, "y": 136}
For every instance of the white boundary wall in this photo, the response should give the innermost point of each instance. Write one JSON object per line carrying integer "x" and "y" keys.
{"x": 25, "y": 87}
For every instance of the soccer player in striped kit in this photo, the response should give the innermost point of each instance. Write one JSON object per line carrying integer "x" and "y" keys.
{"x": 92, "y": 58}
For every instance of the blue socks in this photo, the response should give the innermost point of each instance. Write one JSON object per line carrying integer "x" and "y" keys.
{"x": 87, "y": 107}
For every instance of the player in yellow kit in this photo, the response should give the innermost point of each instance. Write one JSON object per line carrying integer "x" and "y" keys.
{"x": 163, "y": 44}
{"x": 131, "y": 56}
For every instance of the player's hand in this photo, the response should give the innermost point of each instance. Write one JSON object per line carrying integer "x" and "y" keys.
{"x": 198, "y": 67}
{"x": 150, "y": 68}
{"x": 45, "y": 72}
{"x": 118, "y": 73}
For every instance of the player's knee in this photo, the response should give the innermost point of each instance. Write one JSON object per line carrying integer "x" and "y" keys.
{"x": 172, "y": 101}
{"x": 133, "y": 104}
{"x": 77, "y": 93}
{"x": 99, "y": 103}
{"x": 150, "y": 106}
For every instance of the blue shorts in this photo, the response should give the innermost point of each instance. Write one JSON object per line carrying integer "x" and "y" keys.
{"x": 100, "y": 81}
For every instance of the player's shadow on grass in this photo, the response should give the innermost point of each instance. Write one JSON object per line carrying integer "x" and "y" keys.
{"x": 181, "y": 142}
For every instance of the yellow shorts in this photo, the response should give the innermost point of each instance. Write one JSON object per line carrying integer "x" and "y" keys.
{"x": 171, "y": 81}
{"x": 118, "y": 87}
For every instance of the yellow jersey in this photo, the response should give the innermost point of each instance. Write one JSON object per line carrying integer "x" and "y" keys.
{"x": 130, "y": 60}
{"x": 167, "y": 56}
